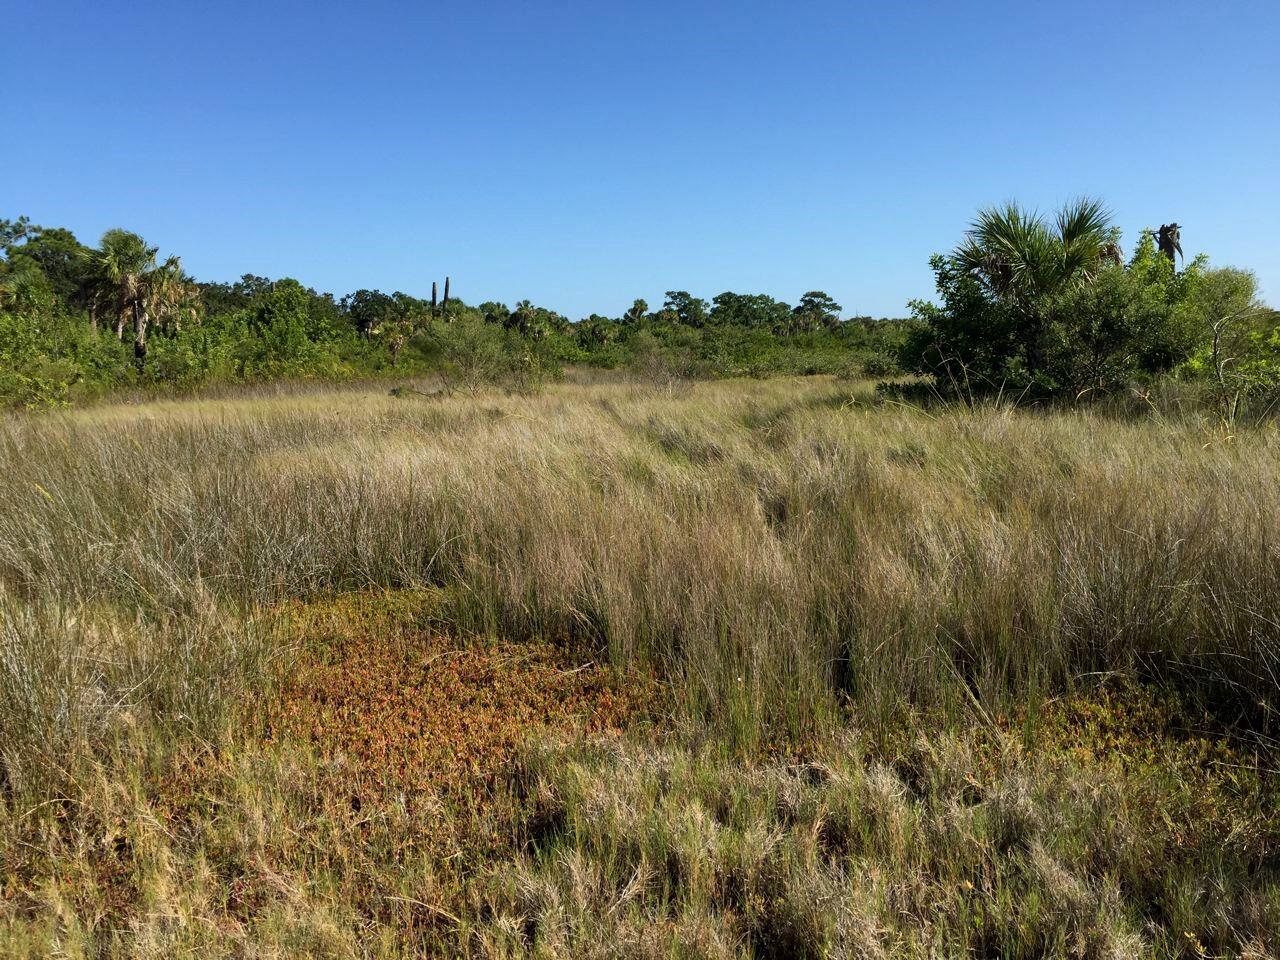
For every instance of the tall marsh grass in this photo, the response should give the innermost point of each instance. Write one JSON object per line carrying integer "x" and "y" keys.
{"x": 781, "y": 552}
{"x": 810, "y": 568}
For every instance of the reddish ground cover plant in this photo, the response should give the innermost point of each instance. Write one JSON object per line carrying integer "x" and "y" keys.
{"x": 414, "y": 711}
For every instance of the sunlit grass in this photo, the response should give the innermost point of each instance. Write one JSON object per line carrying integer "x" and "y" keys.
{"x": 799, "y": 564}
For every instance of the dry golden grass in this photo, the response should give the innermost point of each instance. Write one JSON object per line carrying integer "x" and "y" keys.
{"x": 960, "y": 844}
{"x": 812, "y": 575}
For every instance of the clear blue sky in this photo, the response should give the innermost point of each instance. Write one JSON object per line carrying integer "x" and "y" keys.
{"x": 582, "y": 154}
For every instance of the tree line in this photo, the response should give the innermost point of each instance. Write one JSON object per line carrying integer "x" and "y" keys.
{"x": 1027, "y": 305}
{"x": 77, "y": 320}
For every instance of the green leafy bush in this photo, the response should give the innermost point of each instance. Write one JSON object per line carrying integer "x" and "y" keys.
{"x": 470, "y": 352}
{"x": 1049, "y": 310}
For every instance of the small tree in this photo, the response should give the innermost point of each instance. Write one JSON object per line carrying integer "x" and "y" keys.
{"x": 367, "y": 310}
{"x": 1238, "y": 330}
{"x": 688, "y": 309}
{"x": 137, "y": 292}
{"x": 471, "y": 353}
{"x": 286, "y": 338}
{"x": 637, "y": 313}
{"x": 815, "y": 311}
{"x": 754, "y": 310}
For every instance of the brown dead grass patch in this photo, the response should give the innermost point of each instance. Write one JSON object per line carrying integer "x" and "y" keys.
{"x": 410, "y": 710}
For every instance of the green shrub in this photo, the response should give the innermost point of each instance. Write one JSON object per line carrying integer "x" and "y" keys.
{"x": 469, "y": 352}
{"x": 1026, "y": 307}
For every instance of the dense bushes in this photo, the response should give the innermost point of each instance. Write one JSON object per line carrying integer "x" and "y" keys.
{"x": 658, "y": 350}
{"x": 1043, "y": 310}
{"x": 55, "y": 358}
{"x": 67, "y": 311}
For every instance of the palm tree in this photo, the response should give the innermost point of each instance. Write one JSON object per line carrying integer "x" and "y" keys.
{"x": 639, "y": 310}
{"x": 1020, "y": 257}
{"x": 24, "y": 290}
{"x": 138, "y": 292}
{"x": 1028, "y": 262}
{"x": 170, "y": 296}
{"x": 125, "y": 260}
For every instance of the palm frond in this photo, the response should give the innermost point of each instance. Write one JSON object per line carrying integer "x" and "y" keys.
{"x": 1017, "y": 254}
{"x": 1084, "y": 220}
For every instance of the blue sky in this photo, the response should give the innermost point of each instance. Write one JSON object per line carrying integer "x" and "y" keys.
{"x": 584, "y": 154}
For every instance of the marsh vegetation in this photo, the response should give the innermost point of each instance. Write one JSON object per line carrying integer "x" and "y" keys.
{"x": 737, "y": 668}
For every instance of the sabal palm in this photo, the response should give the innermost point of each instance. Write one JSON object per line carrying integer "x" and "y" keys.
{"x": 22, "y": 289}
{"x": 1021, "y": 257}
{"x": 169, "y": 294}
{"x": 124, "y": 260}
